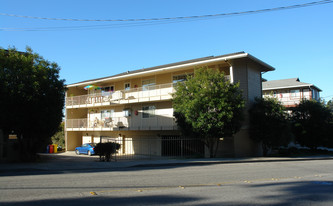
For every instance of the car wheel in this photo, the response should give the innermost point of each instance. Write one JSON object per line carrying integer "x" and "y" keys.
{"x": 89, "y": 153}
{"x": 77, "y": 152}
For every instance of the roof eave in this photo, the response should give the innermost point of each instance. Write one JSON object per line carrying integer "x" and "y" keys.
{"x": 266, "y": 67}
{"x": 295, "y": 86}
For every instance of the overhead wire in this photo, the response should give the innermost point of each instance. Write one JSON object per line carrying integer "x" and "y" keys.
{"x": 149, "y": 21}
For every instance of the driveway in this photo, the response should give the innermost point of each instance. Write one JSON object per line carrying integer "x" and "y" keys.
{"x": 69, "y": 156}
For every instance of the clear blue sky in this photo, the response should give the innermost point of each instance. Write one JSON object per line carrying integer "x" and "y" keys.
{"x": 297, "y": 42}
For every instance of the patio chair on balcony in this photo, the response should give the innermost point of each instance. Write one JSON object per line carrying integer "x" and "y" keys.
{"x": 106, "y": 98}
{"x": 120, "y": 125}
{"x": 96, "y": 122}
{"x": 108, "y": 122}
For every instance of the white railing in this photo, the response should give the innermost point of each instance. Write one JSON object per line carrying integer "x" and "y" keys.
{"x": 140, "y": 94}
{"x": 119, "y": 123}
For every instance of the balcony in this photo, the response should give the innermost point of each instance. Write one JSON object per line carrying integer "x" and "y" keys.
{"x": 141, "y": 94}
{"x": 120, "y": 123}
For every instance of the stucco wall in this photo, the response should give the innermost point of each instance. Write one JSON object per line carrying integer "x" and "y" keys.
{"x": 244, "y": 72}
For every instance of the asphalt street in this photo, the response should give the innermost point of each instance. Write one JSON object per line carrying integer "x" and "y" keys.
{"x": 253, "y": 183}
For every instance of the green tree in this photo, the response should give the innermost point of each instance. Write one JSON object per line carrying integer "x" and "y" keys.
{"x": 328, "y": 142}
{"x": 329, "y": 105}
{"x": 312, "y": 123}
{"x": 32, "y": 99}
{"x": 269, "y": 123}
{"x": 59, "y": 137}
{"x": 209, "y": 106}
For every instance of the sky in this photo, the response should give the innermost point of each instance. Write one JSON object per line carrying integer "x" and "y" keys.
{"x": 297, "y": 42}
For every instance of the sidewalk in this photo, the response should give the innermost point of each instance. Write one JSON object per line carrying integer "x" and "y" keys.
{"x": 68, "y": 161}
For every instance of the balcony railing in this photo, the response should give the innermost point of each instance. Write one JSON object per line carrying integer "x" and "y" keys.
{"x": 120, "y": 123}
{"x": 141, "y": 94}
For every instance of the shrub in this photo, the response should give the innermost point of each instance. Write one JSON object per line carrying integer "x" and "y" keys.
{"x": 105, "y": 150}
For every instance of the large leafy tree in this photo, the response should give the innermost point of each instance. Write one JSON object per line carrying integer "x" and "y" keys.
{"x": 209, "y": 106}
{"x": 311, "y": 124}
{"x": 32, "y": 98}
{"x": 269, "y": 123}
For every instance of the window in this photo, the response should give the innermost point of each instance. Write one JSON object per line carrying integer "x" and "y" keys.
{"x": 275, "y": 93}
{"x": 146, "y": 84}
{"x": 180, "y": 78}
{"x": 315, "y": 94}
{"x": 107, "y": 90}
{"x": 105, "y": 114}
{"x": 148, "y": 111}
{"x": 127, "y": 86}
{"x": 127, "y": 112}
{"x": 294, "y": 93}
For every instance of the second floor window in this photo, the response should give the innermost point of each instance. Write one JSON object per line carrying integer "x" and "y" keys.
{"x": 180, "y": 78}
{"x": 148, "y": 111}
{"x": 315, "y": 94}
{"x": 107, "y": 90}
{"x": 147, "y": 84}
{"x": 127, "y": 86}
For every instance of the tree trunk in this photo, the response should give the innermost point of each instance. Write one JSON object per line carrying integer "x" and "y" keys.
{"x": 212, "y": 144}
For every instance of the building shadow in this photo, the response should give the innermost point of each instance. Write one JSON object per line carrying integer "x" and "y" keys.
{"x": 100, "y": 201}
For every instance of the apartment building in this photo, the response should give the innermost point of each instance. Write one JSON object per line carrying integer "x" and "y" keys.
{"x": 135, "y": 107}
{"x": 290, "y": 92}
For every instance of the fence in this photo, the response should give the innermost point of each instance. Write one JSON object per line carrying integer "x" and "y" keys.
{"x": 162, "y": 147}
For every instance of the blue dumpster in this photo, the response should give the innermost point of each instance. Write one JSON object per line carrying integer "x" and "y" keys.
{"x": 48, "y": 149}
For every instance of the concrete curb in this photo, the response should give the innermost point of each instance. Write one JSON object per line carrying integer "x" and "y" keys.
{"x": 233, "y": 161}
{"x": 63, "y": 166}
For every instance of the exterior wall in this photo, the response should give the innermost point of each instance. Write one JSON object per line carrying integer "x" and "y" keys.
{"x": 254, "y": 83}
{"x": 245, "y": 72}
{"x": 163, "y": 78}
{"x": 73, "y": 139}
{"x": 249, "y": 76}
{"x": 241, "y": 76}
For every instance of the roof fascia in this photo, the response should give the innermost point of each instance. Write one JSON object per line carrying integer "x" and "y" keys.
{"x": 289, "y": 87}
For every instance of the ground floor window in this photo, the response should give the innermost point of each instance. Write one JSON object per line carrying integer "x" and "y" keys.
{"x": 294, "y": 93}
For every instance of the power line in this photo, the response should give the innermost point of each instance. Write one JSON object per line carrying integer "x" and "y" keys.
{"x": 150, "y": 21}
{"x": 182, "y": 17}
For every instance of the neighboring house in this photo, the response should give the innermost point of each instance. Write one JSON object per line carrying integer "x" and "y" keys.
{"x": 135, "y": 107}
{"x": 290, "y": 92}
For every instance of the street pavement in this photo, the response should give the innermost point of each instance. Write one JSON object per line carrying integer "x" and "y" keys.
{"x": 243, "y": 181}
{"x": 67, "y": 161}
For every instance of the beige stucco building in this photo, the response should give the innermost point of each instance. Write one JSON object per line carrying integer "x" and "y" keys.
{"x": 135, "y": 107}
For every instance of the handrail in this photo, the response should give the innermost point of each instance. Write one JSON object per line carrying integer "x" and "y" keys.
{"x": 117, "y": 123}
{"x": 117, "y": 96}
